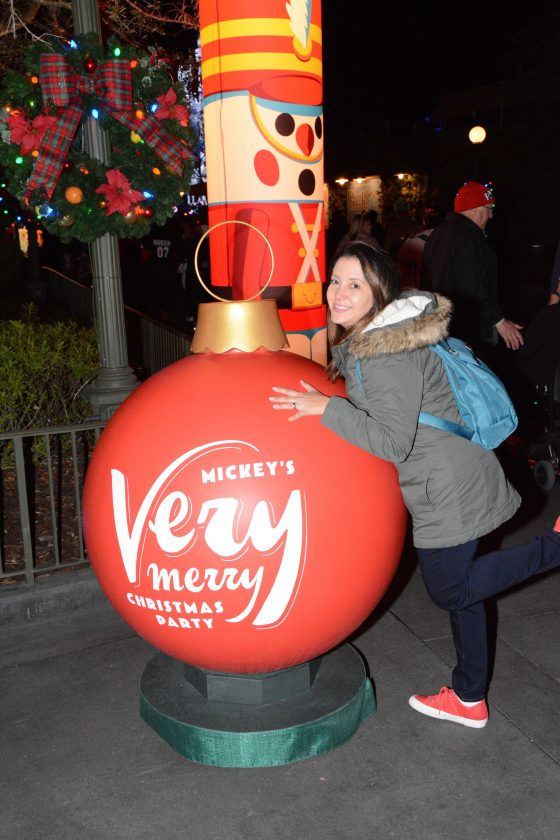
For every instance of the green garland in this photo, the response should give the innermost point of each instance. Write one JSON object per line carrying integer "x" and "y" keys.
{"x": 147, "y": 173}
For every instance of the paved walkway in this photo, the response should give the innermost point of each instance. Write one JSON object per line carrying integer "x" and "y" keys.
{"x": 78, "y": 762}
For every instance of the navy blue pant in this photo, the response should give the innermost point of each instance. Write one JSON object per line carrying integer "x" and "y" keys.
{"x": 459, "y": 582}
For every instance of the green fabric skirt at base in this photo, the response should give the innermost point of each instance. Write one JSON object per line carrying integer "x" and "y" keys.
{"x": 307, "y": 724}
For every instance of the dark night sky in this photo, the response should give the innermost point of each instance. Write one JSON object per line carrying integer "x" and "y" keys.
{"x": 393, "y": 61}
{"x": 403, "y": 56}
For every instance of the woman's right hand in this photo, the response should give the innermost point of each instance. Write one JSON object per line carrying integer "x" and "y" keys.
{"x": 305, "y": 403}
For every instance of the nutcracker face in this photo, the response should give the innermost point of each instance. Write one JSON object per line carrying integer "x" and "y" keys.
{"x": 274, "y": 151}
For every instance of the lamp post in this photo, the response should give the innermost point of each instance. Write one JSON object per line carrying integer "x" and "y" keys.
{"x": 477, "y": 135}
{"x": 115, "y": 379}
{"x": 36, "y": 285}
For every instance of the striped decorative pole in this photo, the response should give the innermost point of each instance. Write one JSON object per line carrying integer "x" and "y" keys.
{"x": 263, "y": 117}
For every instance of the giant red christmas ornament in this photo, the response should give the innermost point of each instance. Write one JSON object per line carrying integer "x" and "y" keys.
{"x": 227, "y": 536}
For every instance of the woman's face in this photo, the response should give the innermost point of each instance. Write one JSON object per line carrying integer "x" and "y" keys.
{"x": 349, "y": 295}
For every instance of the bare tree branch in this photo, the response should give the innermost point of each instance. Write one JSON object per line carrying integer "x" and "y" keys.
{"x": 177, "y": 13}
{"x": 136, "y": 22}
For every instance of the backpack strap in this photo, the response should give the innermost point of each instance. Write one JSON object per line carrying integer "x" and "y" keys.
{"x": 440, "y": 349}
{"x": 445, "y": 425}
{"x": 425, "y": 418}
{"x": 359, "y": 375}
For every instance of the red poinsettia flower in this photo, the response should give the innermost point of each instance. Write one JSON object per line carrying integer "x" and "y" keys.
{"x": 118, "y": 193}
{"x": 28, "y": 135}
{"x": 168, "y": 109}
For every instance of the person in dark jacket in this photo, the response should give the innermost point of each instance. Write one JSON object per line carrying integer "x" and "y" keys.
{"x": 459, "y": 263}
{"x": 554, "y": 296}
{"x": 455, "y": 491}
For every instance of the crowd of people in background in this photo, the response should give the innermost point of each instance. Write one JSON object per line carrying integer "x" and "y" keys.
{"x": 158, "y": 271}
{"x": 446, "y": 250}
{"x": 168, "y": 285}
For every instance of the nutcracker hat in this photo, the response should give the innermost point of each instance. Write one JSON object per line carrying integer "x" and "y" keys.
{"x": 471, "y": 195}
{"x": 273, "y": 49}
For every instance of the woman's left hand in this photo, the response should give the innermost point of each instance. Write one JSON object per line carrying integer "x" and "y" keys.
{"x": 304, "y": 403}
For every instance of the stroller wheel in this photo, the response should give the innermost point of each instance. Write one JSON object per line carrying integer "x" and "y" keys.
{"x": 544, "y": 474}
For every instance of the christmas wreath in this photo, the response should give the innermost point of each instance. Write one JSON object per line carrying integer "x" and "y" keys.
{"x": 42, "y": 123}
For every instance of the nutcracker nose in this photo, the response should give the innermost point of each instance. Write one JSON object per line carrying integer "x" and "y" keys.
{"x": 305, "y": 138}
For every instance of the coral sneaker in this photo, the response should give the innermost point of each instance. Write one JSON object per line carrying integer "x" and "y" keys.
{"x": 557, "y": 526}
{"x": 447, "y": 706}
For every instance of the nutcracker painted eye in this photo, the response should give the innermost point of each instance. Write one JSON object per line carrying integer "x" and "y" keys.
{"x": 306, "y": 182}
{"x": 319, "y": 128}
{"x": 285, "y": 125}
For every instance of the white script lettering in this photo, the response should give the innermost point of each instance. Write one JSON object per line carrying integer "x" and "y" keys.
{"x": 173, "y": 522}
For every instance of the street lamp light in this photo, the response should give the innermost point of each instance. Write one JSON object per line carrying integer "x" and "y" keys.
{"x": 477, "y": 134}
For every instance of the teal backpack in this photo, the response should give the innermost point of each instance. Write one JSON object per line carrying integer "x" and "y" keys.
{"x": 484, "y": 404}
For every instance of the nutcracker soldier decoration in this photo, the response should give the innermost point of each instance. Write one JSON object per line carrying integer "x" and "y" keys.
{"x": 263, "y": 118}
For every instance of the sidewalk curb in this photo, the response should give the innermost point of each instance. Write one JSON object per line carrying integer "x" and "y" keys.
{"x": 49, "y": 597}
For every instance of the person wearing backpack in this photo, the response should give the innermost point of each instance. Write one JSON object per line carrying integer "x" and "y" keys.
{"x": 454, "y": 489}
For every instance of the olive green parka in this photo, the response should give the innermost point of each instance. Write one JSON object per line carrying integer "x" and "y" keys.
{"x": 454, "y": 490}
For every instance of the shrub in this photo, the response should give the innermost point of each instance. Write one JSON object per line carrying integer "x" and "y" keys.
{"x": 43, "y": 369}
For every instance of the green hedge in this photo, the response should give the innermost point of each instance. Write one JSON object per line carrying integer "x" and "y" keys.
{"x": 43, "y": 369}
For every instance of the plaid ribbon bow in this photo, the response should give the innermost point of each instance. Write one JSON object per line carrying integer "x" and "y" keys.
{"x": 111, "y": 84}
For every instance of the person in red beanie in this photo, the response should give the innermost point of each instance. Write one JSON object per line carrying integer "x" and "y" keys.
{"x": 460, "y": 264}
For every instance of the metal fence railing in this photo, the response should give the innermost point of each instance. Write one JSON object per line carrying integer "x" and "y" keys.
{"x": 152, "y": 344}
{"x": 42, "y": 473}
{"x": 42, "y": 470}
{"x": 160, "y": 345}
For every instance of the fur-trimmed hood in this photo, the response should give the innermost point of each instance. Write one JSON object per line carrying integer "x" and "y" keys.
{"x": 415, "y": 319}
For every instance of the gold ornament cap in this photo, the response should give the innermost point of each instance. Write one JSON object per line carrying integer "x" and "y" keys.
{"x": 238, "y": 325}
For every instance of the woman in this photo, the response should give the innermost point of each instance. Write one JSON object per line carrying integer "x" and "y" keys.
{"x": 455, "y": 491}
{"x": 360, "y": 230}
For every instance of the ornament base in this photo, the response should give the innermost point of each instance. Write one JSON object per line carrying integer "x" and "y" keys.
{"x": 252, "y": 689}
{"x": 240, "y": 734}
